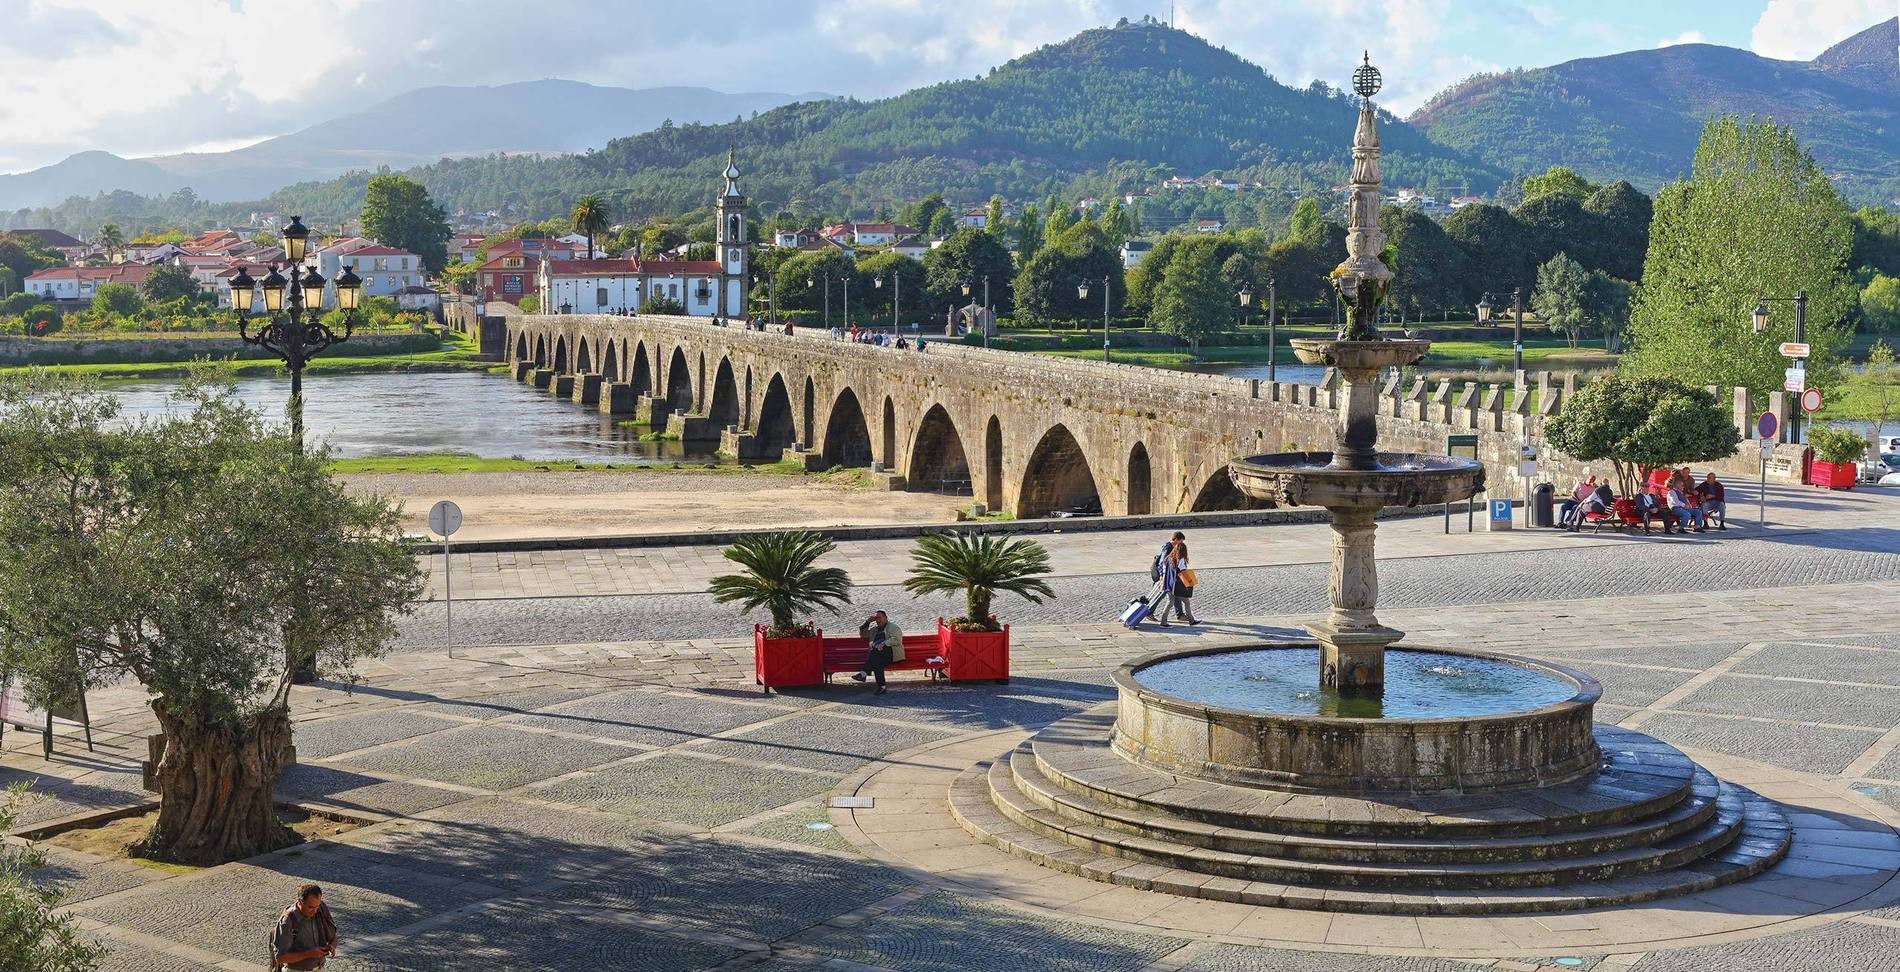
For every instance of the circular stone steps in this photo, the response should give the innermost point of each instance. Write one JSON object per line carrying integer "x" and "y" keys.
{"x": 1639, "y": 777}
{"x": 1686, "y": 815}
{"x": 1659, "y": 826}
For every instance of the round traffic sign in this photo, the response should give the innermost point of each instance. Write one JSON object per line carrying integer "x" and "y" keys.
{"x": 1767, "y": 426}
{"x": 1811, "y": 400}
{"x": 445, "y": 518}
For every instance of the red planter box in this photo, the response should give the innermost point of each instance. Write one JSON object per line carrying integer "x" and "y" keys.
{"x": 974, "y": 655}
{"x": 787, "y": 661}
{"x": 1833, "y": 475}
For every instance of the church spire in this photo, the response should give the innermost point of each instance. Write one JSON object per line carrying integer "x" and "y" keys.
{"x": 732, "y": 173}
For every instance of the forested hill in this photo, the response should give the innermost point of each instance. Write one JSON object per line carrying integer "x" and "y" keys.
{"x": 1140, "y": 101}
{"x": 1637, "y": 115}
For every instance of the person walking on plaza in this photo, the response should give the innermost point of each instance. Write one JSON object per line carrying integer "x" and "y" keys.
{"x": 306, "y": 934}
{"x": 1714, "y": 501}
{"x": 885, "y": 648}
{"x": 1178, "y": 594}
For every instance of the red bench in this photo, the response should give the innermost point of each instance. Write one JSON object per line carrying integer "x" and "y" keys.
{"x": 847, "y": 655}
{"x": 779, "y": 662}
{"x": 1623, "y": 513}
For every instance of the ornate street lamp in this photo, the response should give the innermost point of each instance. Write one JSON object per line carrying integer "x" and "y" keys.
{"x": 1484, "y": 309}
{"x": 1758, "y": 318}
{"x": 1082, "y": 292}
{"x": 293, "y": 305}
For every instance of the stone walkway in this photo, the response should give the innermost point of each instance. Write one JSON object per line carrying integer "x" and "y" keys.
{"x": 637, "y": 804}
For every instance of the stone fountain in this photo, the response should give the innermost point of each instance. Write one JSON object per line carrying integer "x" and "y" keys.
{"x": 1299, "y": 775}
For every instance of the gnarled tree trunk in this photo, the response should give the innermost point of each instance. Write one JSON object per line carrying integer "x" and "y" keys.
{"x": 215, "y": 785}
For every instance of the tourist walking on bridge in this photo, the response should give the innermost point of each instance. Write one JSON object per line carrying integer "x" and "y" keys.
{"x": 1177, "y": 589}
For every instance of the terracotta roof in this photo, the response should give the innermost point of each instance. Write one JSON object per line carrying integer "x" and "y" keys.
{"x": 126, "y": 273}
{"x": 377, "y": 249}
{"x": 528, "y": 261}
{"x": 658, "y": 267}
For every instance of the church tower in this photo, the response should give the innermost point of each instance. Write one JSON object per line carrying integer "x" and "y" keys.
{"x": 735, "y": 264}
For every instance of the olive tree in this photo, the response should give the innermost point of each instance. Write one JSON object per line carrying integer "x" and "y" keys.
{"x": 1642, "y": 422}
{"x": 201, "y": 554}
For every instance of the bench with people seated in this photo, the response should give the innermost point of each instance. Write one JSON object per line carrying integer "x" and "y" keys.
{"x": 921, "y": 653}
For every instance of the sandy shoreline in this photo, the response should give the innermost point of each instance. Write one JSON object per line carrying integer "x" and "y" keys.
{"x": 576, "y": 503}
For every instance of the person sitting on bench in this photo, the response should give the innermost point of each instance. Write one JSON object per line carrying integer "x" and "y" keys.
{"x": 1569, "y": 510}
{"x": 886, "y": 644}
{"x": 1600, "y": 501}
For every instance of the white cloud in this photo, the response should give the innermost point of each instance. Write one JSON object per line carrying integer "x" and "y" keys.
{"x": 1797, "y": 30}
{"x": 1686, "y": 37}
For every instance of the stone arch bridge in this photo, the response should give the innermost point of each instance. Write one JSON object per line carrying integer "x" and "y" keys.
{"x": 1029, "y": 434}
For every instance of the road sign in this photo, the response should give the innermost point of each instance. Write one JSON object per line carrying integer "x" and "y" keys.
{"x": 1767, "y": 426}
{"x": 1795, "y": 384}
{"x": 1811, "y": 400}
{"x": 1767, "y": 448}
{"x": 445, "y": 518}
{"x": 1789, "y": 349}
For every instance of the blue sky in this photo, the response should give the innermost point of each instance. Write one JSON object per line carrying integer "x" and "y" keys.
{"x": 141, "y": 77}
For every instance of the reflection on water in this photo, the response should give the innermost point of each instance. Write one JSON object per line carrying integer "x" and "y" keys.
{"x": 1298, "y": 374}
{"x": 1418, "y": 684}
{"x": 459, "y": 412}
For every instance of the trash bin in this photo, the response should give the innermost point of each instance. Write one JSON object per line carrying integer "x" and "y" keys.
{"x": 1540, "y": 505}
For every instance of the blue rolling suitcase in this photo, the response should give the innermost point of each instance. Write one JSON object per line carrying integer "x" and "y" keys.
{"x": 1137, "y": 611}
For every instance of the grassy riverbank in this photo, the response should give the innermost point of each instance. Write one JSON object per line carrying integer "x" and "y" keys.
{"x": 455, "y": 352}
{"x": 1465, "y": 348}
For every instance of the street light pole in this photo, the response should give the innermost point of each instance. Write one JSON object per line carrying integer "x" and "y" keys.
{"x": 1105, "y": 357}
{"x": 1517, "y": 330}
{"x": 1273, "y": 325}
{"x": 1760, "y": 320}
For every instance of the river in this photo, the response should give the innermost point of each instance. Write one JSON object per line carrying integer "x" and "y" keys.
{"x": 418, "y": 413}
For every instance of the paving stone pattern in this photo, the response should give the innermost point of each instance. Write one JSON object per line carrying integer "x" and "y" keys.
{"x": 822, "y": 743}
{"x": 1627, "y": 570}
{"x": 325, "y": 738}
{"x": 1239, "y": 958}
{"x": 524, "y": 935}
{"x": 940, "y": 932}
{"x": 646, "y": 717}
{"x": 689, "y": 790}
{"x": 1812, "y": 748}
{"x": 489, "y": 757}
{"x": 1848, "y": 946}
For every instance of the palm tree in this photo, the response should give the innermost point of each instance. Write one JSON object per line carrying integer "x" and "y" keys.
{"x": 590, "y": 217}
{"x": 779, "y": 576}
{"x": 113, "y": 239}
{"x": 979, "y": 566}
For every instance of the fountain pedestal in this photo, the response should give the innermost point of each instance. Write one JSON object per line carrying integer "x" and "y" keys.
{"x": 1352, "y": 641}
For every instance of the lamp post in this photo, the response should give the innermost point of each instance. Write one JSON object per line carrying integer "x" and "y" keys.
{"x": 1246, "y": 300}
{"x": 1082, "y": 292}
{"x": 1759, "y": 318}
{"x": 1517, "y": 324}
{"x": 292, "y": 328}
{"x": 897, "y": 297}
{"x": 986, "y": 307}
{"x": 1273, "y": 324}
{"x": 808, "y": 282}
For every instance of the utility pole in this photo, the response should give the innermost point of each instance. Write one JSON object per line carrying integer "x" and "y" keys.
{"x": 1273, "y": 326}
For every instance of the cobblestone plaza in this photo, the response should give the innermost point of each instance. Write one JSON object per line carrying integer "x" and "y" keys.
{"x": 589, "y": 778}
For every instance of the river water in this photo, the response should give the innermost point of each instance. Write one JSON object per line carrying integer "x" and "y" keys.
{"x": 416, "y": 413}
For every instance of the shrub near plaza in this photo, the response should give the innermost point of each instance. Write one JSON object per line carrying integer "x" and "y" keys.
{"x": 1642, "y": 422}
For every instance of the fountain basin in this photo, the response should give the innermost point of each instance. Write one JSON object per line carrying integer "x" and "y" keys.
{"x": 1471, "y": 748}
{"x": 1397, "y": 479}
{"x": 1360, "y": 355}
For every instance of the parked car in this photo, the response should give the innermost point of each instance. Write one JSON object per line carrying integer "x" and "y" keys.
{"x": 1877, "y": 470}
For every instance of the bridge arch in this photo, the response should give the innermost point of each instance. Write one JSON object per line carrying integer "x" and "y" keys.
{"x": 1057, "y": 476}
{"x": 540, "y": 351}
{"x": 699, "y": 403}
{"x": 521, "y": 345}
{"x": 679, "y": 383}
{"x": 640, "y": 373}
{"x": 745, "y": 404}
{"x": 583, "y": 363}
{"x": 610, "y": 365}
{"x": 811, "y": 411}
{"x": 888, "y": 433}
{"x": 1140, "y": 481}
{"x": 938, "y": 462}
{"x": 724, "y": 409}
{"x": 993, "y": 464}
{"x": 847, "y": 435}
{"x": 1220, "y": 493}
{"x": 775, "y": 432}
{"x": 560, "y": 355}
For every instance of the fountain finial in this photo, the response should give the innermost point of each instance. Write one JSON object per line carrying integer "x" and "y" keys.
{"x": 1362, "y": 280}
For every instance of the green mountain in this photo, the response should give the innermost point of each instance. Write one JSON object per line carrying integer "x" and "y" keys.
{"x": 1125, "y": 106}
{"x": 1637, "y": 115}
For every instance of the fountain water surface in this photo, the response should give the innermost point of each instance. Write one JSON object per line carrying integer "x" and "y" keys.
{"x": 1340, "y": 776}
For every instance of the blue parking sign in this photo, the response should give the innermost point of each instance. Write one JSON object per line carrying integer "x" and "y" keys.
{"x": 1500, "y": 509}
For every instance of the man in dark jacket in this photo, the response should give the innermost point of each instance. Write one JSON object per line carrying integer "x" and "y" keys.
{"x": 1714, "y": 501}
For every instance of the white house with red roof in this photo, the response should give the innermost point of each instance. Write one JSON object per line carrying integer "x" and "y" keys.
{"x": 384, "y": 270}
{"x": 81, "y": 283}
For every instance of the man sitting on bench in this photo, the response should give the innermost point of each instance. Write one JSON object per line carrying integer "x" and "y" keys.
{"x": 886, "y": 648}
